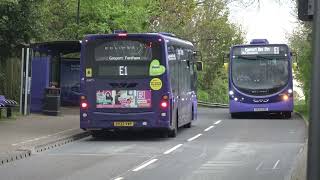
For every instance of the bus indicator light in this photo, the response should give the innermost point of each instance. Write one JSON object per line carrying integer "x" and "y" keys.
{"x": 165, "y": 97}
{"x": 285, "y": 97}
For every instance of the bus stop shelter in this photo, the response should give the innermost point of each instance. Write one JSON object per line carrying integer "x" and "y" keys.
{"x": 49, "y": 64}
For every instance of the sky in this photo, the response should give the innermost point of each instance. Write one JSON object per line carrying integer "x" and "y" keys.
{"x": 273, "y": 20}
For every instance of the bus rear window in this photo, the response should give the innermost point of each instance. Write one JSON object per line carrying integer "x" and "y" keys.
{"x": 120, "y": 58}
{"x": 123, "y": 50}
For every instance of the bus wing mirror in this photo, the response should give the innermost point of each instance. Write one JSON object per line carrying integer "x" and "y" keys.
{"x": 294, "y": 56}
{"x": 197, "y": 54}
{"x": 199, "y": 65}
{"x": 225, "y": 56}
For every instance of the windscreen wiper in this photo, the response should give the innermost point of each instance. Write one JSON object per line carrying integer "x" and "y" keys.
{"x": 271, "y": 57}
{"x": 264, "y": 57}
{"x": 246, "y": 57}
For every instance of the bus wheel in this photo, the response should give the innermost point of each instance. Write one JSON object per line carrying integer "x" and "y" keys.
{"x": 286, "y": 115}
{"x": 234, "y": 115}
{"x": 173, "y": 132}
{"x": 188, "y": 125}
{"x": 97, "y": 134}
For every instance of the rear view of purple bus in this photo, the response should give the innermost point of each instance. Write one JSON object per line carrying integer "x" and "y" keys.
{"x": 260, "y": 79}
{"x": 137, "y": 81}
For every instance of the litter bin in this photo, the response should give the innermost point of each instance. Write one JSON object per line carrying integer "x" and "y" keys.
{"x": 51, "y": 102}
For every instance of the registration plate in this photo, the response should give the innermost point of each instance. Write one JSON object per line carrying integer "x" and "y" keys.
{"x": 123, "y": 124}
{"x": 260, "y": 109}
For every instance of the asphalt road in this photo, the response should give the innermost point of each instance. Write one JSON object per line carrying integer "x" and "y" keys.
{"x": 215, "y": 148}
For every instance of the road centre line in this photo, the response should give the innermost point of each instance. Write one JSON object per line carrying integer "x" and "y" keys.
{"x": 194, "y": 137}
{"x": 210, "y": 127}
{"x": 276, "y": 164}
{"x": 172, "y": 149}
{"x": 217, "y": 122}
{"x": 144, "y": 165}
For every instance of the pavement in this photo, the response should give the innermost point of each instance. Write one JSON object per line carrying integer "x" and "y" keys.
{"x": 22, "y": 136}
{"x": 214, "y": 148}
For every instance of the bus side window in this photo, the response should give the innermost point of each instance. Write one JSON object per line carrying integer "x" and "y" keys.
{"x": 173, "y": 71}
{"x": 182, "y": 55}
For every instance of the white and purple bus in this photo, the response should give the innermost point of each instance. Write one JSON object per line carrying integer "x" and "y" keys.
{"x": 260, "y": 79}
{"x": 137, "y": 81}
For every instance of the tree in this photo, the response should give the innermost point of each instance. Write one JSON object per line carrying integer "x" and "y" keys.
{"x": 300, "y": 42}
{"x": 206, "y": 24}
{"x": 18, "y": 25}
{"x": 96, "y": 16}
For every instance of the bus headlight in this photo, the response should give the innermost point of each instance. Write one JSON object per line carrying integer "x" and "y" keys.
{"x": 231, "y": 93}
{"x": 285, "y": 97}
{"x": 290, "y": 91}
{"x": 236, "y": 99}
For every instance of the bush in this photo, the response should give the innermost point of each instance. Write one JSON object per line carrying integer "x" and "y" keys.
{"x": 217, "y": 91}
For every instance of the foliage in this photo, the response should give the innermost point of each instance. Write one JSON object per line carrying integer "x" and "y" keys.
{"x": 18, "y": 25}
{"x": 206, "y": 24}
{"x": 301, "y": 108}
{"x": 96, "y": 17}
{"x": 301, "y": 44}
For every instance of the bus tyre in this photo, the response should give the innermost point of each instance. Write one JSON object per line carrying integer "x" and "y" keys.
{"x": 173, "y": 132}
{"x": 96, "y": 134}
{"x": 286, "y": 115}
{"x": 187, "y": 125}
{"x": 234, "y": 115}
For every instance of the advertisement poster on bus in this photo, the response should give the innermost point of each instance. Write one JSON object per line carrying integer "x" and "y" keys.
{"x": 123, "y": 99}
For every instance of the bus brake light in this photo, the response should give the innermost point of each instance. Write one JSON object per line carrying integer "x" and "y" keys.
{"x": 122, "y": 34}
{"x": 84, "y": 105}
{"x": 164, "y": 104}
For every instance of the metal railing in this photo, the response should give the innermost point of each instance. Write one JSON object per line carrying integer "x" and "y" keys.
{"x": 213, "y": 105}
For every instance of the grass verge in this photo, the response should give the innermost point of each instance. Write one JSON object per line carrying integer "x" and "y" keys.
{"x": 302, "y": 108}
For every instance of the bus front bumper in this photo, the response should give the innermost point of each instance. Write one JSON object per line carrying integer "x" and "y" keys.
{"x": 282, "y": 106}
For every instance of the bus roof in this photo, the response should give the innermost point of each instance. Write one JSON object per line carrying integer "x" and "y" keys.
{"x": 253, "y": 45}
{"x": 143, "y": 35}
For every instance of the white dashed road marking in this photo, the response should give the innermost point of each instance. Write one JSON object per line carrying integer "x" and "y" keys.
{"x": 172, "y": 149}
{"x": 217, "y": 122}
{"x": 119, "y": 178}
{"x": 144, "y": 165}
{"x": 194, "y": 137}
{"x": 210, "y": 127}
{"x": 276, "y": 164}
{"x": 259, "y": 166}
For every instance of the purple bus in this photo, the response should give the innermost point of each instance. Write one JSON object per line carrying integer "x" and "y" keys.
{"x": 137, "y": 81}
{"x": 260, "y": 79}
